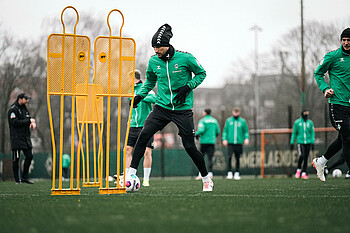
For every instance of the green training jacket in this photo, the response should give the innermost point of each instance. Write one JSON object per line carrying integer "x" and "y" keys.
{"x": 303, "y": 131}
{"x": 143, "y": 109}
{"x": 337, "y": 63}
{"x": 170, "y": 75}
{"x": 208, "y": 130}
{"x": 235, "y": 130}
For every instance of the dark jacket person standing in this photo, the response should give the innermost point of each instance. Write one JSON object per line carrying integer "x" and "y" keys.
{"x": 20, "y": 123}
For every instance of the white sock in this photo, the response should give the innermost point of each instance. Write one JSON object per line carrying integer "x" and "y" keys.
{"x": 303, "y": 174}
{"x": 206, "y": 178}
{"x": 146, "y": 173}
{"x": 322, "y": 160}
{"x": 132, "y": 171}
{"x": 127, "y": 170}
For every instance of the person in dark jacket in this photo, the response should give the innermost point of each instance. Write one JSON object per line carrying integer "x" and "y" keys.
{"x": 20, "y": 123}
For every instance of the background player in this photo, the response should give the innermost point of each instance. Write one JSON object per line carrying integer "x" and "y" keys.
{"x": 208, "y": 131}
{"x": 234, "y": 135}
{"x": 304, "y": 133}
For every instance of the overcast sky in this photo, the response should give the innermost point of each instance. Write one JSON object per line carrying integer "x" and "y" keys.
{"x": 215, "y": 32}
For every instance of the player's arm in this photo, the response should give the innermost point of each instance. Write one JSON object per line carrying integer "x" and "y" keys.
{"x": 16, "y": 122}
{"x": 224, "y": 133}
{"x": 217, "y": 129}
{"x": 150, "y": 98}
{"x": 312, "y": 133}
{"x": 151, "y": 80}
{"x": 201, "y": 128}
{"x": 246, "y": 133}
{"x": 323, "y": 67}
{"x": 198, "y": 70}
{"x": 294, "y": 133}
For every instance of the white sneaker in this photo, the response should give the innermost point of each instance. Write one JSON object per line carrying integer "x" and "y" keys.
{"x": 229, "y": 176}
{"x": 319, "y": 168}
{"x": 210, "y": 175}
{"x": 208, "y": 186}
{"x": 347, "y": 175}
{"x": 236, "y": 176}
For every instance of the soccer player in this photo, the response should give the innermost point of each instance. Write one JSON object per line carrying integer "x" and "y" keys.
{"x": 234, "y": 135}
{"x": 336, "y": 63}
{"x": 138, "y": 118}
{"x": 208, "y": 131}
{"x": 172, "y": 71}
{"x": 20, "y": 123}
{"x": 304, "y": 133}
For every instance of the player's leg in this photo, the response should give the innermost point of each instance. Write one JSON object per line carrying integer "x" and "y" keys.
{"x": 337, "y": 163}
{"x": 337, "y": 115}
{"x": 184, "y": 122}
{"x": 15, "y": 165}
{"x": 28, "y": 160}
{"x": 300, "y": 160}
{"x": 238, "y": 149}
{"x": 202, "y": 149}
{"x": 305, "y": 156}
{"x": 128, "y": 155}
{"x": 345, "y": 134}
{"x": 147, "y": 163}
{"x": 230, "y": 150}
{"x": 155, "y": 121}
{"x": 210, "y": 152}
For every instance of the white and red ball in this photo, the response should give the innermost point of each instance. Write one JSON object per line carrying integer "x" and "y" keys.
{"x": 132, "y": 183}
{"x": 337, "y": 173}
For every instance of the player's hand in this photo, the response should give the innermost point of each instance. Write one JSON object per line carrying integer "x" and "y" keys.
{"x": 291, "y": 147}
{"x": 137, "y": 100}
{"x": 328, "y": 93}
{"x": 32, "y": 125}
{"x": 182, "y": 92}
{"x": 225, "y": 143}
{"x": 246, "y": 141}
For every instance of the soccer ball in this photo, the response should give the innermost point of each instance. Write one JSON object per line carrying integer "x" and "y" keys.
{"x": 132, "y": 183}
{"x": 337, "y": 173}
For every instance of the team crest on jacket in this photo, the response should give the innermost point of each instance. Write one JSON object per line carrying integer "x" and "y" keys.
{"x": 176, "y": 66}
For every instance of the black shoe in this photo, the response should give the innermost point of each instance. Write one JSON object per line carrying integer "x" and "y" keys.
{"x": 27, "y": 181}
{"x": 18, "y": 182}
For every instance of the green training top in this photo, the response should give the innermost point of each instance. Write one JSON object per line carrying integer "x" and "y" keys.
{"x": 337, "y": 63}
{"x": 303, "y": 131}
{"x": 143, "y": 109}
{"x": 235, "y": 130}
{"x": 170, "y": 75}
{"x": 208, "y": 130}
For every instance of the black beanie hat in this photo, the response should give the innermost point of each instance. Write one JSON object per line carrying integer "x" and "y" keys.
{"x": 345, "y": 33}
{"x": 162, "y": 36}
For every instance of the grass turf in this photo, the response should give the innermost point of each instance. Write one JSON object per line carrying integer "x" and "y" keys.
{"x": 179, "y": 205}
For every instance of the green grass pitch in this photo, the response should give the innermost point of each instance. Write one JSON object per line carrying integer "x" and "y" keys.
{"x": 179, "y": 205}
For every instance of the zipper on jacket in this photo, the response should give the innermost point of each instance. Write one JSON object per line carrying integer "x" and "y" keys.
{"x": 304, "y": 132}
{"x": 171, "y": 93}
{"x": 235, "y": 133}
